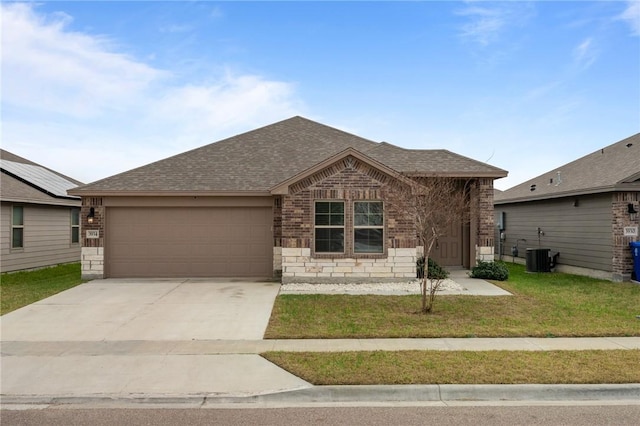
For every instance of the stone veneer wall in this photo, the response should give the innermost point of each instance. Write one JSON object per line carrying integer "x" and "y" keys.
{"x": 92, "y": 253}
{"x": 622, "y": 261}
{"x": 485, "y": 221}
{"x": 299, "y": 266}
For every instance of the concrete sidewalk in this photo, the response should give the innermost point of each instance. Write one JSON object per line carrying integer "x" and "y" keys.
{"x": 218, "y": 372}
{"x": 229, "y": 347}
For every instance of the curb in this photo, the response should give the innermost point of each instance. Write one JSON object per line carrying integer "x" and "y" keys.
{"x": 361, "y": 394}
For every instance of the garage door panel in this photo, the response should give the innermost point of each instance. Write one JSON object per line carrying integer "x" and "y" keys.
{"x": 177, "y": 242}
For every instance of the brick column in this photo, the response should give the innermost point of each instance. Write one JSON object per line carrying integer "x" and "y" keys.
{"x": 622, "y": 261}
{"x": 92, "y": 253}
{"x": 485, "y": 225}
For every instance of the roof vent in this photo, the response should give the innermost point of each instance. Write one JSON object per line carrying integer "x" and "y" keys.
{"x": 532, "y": 188}
{"x": 629, "y": 145}
{"x": 559, "y": 180}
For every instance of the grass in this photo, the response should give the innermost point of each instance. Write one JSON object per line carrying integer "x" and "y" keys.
{"x": 20, "y": 289}
{"x": 542, "y": 305}
{"x": 454, "y": 367}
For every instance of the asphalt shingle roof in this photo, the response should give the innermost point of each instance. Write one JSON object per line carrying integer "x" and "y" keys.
{"x": 615, "y": 167}
{"x": 260, "y": 159}
{"x": 419, "y": 161}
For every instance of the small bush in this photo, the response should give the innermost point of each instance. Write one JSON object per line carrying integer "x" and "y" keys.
{"x": 436, "y": 272}
{"x": 490, "y": 271}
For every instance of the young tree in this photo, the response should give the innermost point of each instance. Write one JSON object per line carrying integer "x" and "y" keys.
{"x": 434, "y": 204}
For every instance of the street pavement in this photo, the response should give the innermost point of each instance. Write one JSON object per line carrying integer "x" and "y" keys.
{"x": 196, "y": 342}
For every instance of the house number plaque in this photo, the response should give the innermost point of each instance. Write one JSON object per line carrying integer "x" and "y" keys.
{"x": 93, "y": 233}
{"x": 630, "y": 231}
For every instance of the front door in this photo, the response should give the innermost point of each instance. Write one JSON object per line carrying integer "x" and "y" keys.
{"x": 448, "y": 249}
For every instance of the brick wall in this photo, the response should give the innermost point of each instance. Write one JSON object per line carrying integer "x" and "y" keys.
{"x": 622, "y": 260}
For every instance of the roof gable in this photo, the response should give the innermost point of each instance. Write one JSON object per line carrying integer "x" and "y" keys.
{"x": 348, "y": 158}
{"x": 615, "y": 167}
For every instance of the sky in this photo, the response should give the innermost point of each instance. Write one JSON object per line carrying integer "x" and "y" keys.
{"x": 92, "y": 89}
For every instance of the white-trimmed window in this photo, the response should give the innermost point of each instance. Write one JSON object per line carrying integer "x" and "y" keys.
{"x": 329, "y": 227}
{"x": 75, "y": 226}
{"x": 17, "y": 227}
{"x": 368, "y": 227}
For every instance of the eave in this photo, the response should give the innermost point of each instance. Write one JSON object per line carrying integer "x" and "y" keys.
{"x": 114, "y": 193}
{"x": 631, "y": 187}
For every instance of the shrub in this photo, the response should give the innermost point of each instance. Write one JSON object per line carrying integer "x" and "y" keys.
{"x": 436, "y": 272}
{"x": 490, "y": 271}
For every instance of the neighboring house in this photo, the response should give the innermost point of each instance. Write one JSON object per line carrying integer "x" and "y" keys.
{"x": 295, "y": 199}
{"x": 581, "y": 210}
{"x": 40, "y": 223}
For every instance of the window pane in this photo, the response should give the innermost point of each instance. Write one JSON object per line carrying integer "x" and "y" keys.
{"x": 322, "y": 219}
{"x": 18, "y": 218}
{"x": 368, "y": 214}
{"x": 329, "y": 240}
{"x": 322, "y": 207}
{"x": 368, "y": 241}
{"x": 75, "y": 235}
{"x": 75, "y": 217}
{"x": 16, "y": 238}
{"x": 375, "y": 220}
{"x": 361, "y": 207}
{"x": 337, "y": 219}
{"x": 337, "y": 207}
{"x": 375, "y": 208}
{"x": 323, "y": 233}
{"x": 360, "y": 220}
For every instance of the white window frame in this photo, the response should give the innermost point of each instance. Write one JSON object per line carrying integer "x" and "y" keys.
{"x": 358, "y": 227}
{"x": 19, "y": 226}
{"x": 76, "y": 225}
{"x": 330, "y": 226}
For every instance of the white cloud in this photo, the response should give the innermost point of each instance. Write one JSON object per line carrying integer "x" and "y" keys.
{"x": 632, "y": 16}
{"x": 233, "y": 100}
{"x": 73, "y": 102}
{"x": 585, "y": 54}
{"x": 487, "y": 22}
{"x": 48, "y": 68}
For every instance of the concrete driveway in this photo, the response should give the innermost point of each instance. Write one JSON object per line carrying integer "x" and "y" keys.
{"x": 120, "y": 338}
{"x": 146, "y": 309}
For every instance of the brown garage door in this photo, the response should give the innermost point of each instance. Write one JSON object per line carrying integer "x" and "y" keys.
{"x": 189, "y": 242}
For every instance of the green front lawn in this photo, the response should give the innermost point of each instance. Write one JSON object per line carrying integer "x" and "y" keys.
{"x": 454, "y": 367}
{"x": 543, "y": 304}
{"x": 20, "y": 289}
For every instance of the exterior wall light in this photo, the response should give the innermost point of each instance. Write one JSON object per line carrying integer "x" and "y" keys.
{"x": 633, "y": 213}
{"x": 91, "y": 215}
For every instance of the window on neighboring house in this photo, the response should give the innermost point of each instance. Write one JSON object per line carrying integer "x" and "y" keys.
{"x": 75, "y": 226}
{"x": 329, "y": 227}
{"x": 17, "y": 227}
{"x": 368, "y": 227}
